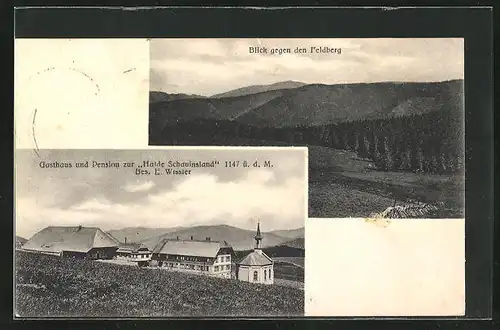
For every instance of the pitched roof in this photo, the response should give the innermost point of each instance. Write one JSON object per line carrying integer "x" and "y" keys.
{"x": 76, "y": 239}
{"x": 195, "y": 248}
{"x": 131, "y": 247}
{"x": 256, "y": 258}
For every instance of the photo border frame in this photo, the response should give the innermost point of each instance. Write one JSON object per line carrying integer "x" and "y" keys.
{"x": 329, "y": 22}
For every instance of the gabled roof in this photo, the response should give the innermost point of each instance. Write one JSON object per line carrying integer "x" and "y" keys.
{"x": 76, "y": 239}
{"x": 195, "y": 248}
{"x": 131, "y": 247}
{"x": 256, "y": 258}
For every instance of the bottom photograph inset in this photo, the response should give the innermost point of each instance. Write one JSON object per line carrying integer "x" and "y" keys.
{"x": 206, "y": 232}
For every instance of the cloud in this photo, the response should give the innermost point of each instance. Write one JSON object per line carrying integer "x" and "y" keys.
{"x": 135, "y": 187}
{"x": 115, "y": 197}
{"x": 200, "y": 199}
{"x": 211, "y": 66}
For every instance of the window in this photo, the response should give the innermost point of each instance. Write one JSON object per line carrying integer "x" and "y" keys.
{"x": 216, "y": 268}
{"x": 228, "y": 267}
{"x": 228, "y": 258}
{"x": 269, "y": 273}
{"x": 255, "y": 276}
{"x": 265, "y": 274}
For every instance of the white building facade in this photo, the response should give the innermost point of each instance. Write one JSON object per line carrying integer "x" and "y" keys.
{"x": 204, "y": 257}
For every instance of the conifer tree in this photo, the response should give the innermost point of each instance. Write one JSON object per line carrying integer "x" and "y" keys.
{"x": 405, "y": 164}
{"x": 419, "y": 160}
{"x": 388, "y": 160}
{"x": 443, "y": 162}
{"x": 373, "y": 146}
{"x": 364, "y": 147}
{"x": 356, "y": 141}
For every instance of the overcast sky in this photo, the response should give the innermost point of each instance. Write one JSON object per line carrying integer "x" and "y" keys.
{"x": 116, "y": 198}
{"x": 212, "y": 66}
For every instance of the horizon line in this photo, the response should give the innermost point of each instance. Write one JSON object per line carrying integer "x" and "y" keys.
{"x": 308, "y": 84}
{"x": 141, "y": 227}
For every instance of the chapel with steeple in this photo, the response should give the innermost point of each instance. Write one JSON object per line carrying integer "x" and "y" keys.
{"x": 256, "y": 267}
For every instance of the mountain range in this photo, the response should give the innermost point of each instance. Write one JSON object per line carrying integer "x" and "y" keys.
{"x": 161, "y": 97}
{"x": 239, "y": 239}
{"x": 260, "y": 89}
{"x": 139, "y": 234}
{"x": 292, "y": 104}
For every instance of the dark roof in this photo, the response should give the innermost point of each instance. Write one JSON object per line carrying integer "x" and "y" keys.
{"x": 76, "y": 239}
{"x": 256, "y": 258}
{"x": 195, "y": 248}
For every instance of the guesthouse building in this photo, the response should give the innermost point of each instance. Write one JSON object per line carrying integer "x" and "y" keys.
{"x": 73, "y": 242}
{"x": 206, "y": 257}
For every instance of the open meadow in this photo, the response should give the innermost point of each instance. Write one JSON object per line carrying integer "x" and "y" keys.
{"x": 56, "y": 287}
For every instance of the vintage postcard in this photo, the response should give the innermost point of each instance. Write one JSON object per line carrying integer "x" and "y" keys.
{"x": 124, "y": 209}
{"x": 160, "y": 233}
{"x": 383, "y": 118}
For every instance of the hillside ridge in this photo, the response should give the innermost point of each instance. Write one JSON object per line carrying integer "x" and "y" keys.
{"x": 312, "y": 104}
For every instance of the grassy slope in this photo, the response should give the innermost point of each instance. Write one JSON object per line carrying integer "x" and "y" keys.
{"x": 343, "y": 185}
{"x": 51, "y": 286}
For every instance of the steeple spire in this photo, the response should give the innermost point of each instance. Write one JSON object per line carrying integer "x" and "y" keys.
{"x": 258, "y": 237}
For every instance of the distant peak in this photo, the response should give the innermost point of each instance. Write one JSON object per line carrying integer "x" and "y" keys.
{"x": 255, "y": 89}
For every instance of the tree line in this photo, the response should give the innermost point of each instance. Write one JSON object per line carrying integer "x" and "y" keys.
{"x": 428, "y": 143}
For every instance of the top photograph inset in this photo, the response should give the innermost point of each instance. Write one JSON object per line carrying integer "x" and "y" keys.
{"x": 383, "y": 119}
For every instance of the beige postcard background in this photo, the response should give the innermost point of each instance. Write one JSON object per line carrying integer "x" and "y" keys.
{"x": 93, "y": 94}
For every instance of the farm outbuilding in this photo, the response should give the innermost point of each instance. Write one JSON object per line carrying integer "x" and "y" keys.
{"x": 74, "y": 242}
{"x": 256, "y": 267}
{"x": 207, "y": 257}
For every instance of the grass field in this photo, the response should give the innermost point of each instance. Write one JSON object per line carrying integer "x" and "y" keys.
{"x": 288, "y": 271}
{"x": 56, "y": 287}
